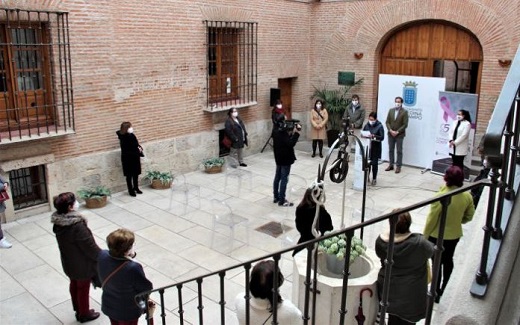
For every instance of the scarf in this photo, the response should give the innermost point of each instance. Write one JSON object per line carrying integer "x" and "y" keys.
{"x": 67, "y": 219}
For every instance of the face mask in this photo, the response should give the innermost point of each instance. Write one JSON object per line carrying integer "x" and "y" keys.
{"x": 355, "y": 102}
{"x": 398, "y": 105}
{"x": 372, "y": 122}
{"x": 75, "y": 206}
{"x": 279, "y": 106}
{"x": 131, "y": 252}
{"x": 130, "y": 130}
{"x": 318, "y": 106}
{"x": 234, "y": 114}
{"x": 459, "y": 118}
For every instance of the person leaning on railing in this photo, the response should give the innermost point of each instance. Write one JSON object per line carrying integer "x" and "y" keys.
{"x": 408, "y": 282}
{"x": 460, "y": 210}
{"x": 261, "y": 303}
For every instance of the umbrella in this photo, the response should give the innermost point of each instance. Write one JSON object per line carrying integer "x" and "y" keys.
{"x": 360, "y": 317}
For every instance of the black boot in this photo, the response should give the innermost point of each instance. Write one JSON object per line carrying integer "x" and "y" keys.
{"x": 129, "y": 186}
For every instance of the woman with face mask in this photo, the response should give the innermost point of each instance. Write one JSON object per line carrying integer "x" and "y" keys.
{"x": 236, "y": 131}
{"x": 78, "y": 252}
{"x": 122, "y": 279}
{"x": 131, "y": 153}
{"x": 459, "y": 138}
{"x": 319, "y": 118}
{"x": 377, "y": 135}
{"x": 277, "y": 115}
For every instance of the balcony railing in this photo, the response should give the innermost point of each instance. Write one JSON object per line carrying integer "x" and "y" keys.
{"x": 501, "y": 146}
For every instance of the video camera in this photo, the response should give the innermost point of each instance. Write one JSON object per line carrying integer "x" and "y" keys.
{"x": 289, "y": 125}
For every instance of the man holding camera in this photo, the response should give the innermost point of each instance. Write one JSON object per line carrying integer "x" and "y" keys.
{"x": 285, "y": 138}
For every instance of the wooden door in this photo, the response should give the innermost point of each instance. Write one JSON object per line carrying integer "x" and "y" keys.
{"x": 414, "y": 49}
{"x": 285, "y": 86}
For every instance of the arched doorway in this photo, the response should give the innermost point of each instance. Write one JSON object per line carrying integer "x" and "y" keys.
{"x": 434, "y": 48}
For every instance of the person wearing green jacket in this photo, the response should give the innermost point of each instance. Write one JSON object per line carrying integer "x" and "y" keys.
{"x": 460, "y": 211}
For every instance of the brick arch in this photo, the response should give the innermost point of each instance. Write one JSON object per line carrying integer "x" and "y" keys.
{"x": 222, "y": 13}
{"x": 478, "y": 19}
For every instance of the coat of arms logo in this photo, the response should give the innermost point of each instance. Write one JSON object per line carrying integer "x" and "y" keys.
{"x": 410, "y": 93}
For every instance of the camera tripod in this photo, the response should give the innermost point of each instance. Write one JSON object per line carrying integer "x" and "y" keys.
{"x": 268, "y": 142}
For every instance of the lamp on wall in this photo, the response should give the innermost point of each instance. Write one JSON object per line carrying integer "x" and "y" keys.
{"x": 504, "y": 63}
{"x": 358, "y": 55}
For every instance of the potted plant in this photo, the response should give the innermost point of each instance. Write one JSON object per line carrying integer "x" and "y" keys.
{"x": 95, "y": 197}
{"x": 213, "y": 165}
{"x": 335, "y": 249}
{"x": 160, "y": 180}
{"x": 335, "y": 100}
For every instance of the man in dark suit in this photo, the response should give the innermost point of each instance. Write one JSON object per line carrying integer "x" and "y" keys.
{"x": 396, "y": 124}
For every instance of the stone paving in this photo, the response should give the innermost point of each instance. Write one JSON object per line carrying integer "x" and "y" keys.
{"x": 174, "y": 243}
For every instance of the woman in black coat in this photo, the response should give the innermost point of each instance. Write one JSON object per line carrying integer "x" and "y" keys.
{"x": 236, "y": 131}
{"x": 305, "y": 213}
{"x": 122, "y": 278}
{"x": 78, "y": 251}
{"x": 131, "y": 153}
{"x": 377, "y": 135}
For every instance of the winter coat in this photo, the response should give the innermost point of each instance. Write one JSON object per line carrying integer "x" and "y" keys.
{"x": 375, "y": 144}
{"x": 2, "y": 204}
{"x": 356, "y": 116}
{"x": 304, "y": 219}
{"x": 460, "y": 210}
{"x": 287, "y": 312}
{"x": 130, "y": 154}
{"x": 117, "y": 300}
{"x": 236, "y": 132}
{"x": 318, "y": 130}
{"x": 78, "y": 249}
{"x": 399, "y": 123}
{"x": 461, "y": 142}
{"x": 409, "y": 282}
{"x": 283, "y": 147}
{"x": 277, "y": 116}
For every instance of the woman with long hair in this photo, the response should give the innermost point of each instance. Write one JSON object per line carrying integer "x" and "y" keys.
{"x": 459, "y": 138}
{"x": 319, "y": 118}
{"x": 460, "y": 211}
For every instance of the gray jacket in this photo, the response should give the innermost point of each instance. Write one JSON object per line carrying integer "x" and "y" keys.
{"x": 356, "y": 116}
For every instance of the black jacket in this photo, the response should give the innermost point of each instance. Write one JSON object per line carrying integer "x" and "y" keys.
{"x": 130, "y": 154}
{"x": 236, "y": 132}
{"x": 304, "y": 219}
{"x": 375, "y": 144}
{"x": 283, "y": 147}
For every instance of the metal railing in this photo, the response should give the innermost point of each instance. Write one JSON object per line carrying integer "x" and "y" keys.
{"x": 501, "y": 146}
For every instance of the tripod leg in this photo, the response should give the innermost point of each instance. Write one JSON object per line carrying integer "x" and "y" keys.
{"x": 267, "y": 143}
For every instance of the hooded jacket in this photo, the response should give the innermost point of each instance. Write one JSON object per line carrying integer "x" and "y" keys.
{"x": 409, "y": 282}
{"x": 78, "y": 249}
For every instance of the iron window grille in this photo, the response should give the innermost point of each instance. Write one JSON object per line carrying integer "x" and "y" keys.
{"x": 36, "y": 97}
{"x": 28, "y": 186}
{"x": 232, "y": 63}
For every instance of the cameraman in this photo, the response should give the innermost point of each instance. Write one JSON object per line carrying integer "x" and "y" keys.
{"x": 285, "y": 138}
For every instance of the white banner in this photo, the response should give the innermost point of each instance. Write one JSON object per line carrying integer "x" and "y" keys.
{"x": 420, "y": 96}
{"x": 448, "y": 104}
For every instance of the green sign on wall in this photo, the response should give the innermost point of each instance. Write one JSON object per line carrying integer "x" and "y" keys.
{"x": 346, "y": 78}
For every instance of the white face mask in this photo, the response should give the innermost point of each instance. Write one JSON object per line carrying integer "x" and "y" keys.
{"x": 355, "y": 102}
{"x": 130, "y": 130}
{"x": 318, "y": 106}
{"x": 372, "y": 122}
{"x": 75, "y": 206}
{"x": 398, "y": 105}
{"x": 131, "y": 252}
{"x": 279, "y": 106}
{"x": 234, "y": 114}
{"x": 459, "y": 118}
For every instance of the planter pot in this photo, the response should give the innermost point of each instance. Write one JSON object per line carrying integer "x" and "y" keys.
{"x": 213, "y": 169}
{"x": 332, "y": 135}
{"x": 96, "y": 203}
{"x": 334, "y": 264}
{"x": 158, "y": 185}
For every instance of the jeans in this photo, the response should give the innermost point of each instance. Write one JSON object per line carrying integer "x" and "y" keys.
{"x": 394, "y": 142}
{"x": 281, "y": 178}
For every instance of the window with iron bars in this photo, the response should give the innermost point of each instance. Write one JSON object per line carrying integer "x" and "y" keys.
{"x": 36, "y": 97}
{"x": 231, "y": 63}
{"x": 28, "y": 186}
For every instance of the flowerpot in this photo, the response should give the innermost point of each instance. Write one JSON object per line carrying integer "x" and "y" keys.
{"x": 213, "y": 169}
{"x": 158, "y": 185}
{"x": 334, "y": 264}
{"x": 95, "y": 203}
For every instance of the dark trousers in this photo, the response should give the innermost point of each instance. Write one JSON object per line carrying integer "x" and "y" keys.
{"x": 374, "y": 167}
{"x": 446, "y": 262}
{"x": 319, "y": 144}
{"x": 281, "y": 178}
{"x": 79, "y": 293}
{"x": 458, "y": 161}
{"x": 132, "y": 179}
{"x": 396, "y": 320}
{"x": 395, "y": 144}
{"x": 123, "y": 322}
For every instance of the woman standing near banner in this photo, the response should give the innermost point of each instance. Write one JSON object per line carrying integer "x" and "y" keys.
{"x": 459, "y": 138}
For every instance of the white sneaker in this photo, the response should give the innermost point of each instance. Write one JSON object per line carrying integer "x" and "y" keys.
{"x": 5, "y": 244}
